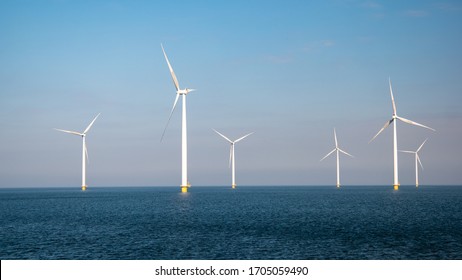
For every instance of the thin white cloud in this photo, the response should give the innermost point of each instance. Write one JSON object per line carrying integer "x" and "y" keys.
{"x": 449, "y": 6}
{"x": 289, "y": 57}
{"x": 279, "y": 59}
{"x": 416, "y": 13}
{"x": 371, "y": 5}
{"x": 327, "y": 43}
{"x": 374, "y": 8}
{"x": 365, "y": 39}
{"x": 318, "y": 45}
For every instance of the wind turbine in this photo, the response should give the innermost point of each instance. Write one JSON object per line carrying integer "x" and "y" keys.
{"x": 184, "y": 142}
{"x": 337, "y": 149}
{"x": 231, "y": 156}
{"x": 395, "y": 137}
{"x": 84, "y": 148}
{"x": 417, "y": 159}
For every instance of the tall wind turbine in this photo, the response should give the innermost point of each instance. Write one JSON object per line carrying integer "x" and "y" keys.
{"x": 184, "y": 142}
{"x": 417, "y": 159}
{"x": 231, "y": 156}
{"x": 84, "y": 148}
{"x": 337, "y": 149}
{"x": 395, "y": 137}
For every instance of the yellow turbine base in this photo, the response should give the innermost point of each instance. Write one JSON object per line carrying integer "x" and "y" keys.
{"x": 184, "y": 189}
{"x": 417, "y": 185}
{"x": 84, "y": 188}
{"x": 395, "y": 187}
{"x": 233, "y": 186}
{"x": 338, "y": 186}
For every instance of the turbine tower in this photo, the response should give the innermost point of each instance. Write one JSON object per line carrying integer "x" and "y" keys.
{"x": 337, "y": 149}
{"x": 84, "y": 149}
{"x": 395, "y": 137}
{"x": 184, "y": 141}
{"x": 231, "y": 156}
{"x": 417, "y": 162}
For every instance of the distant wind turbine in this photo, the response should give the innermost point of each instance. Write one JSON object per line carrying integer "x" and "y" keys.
{"x": 231, "y": 155}
{"x": 417, "y": 159}
{"x": 337, "y": 149}
{"x": 395, "y": 137}
{"x": 84, "y": 148}
{"x": 184, "y": 143}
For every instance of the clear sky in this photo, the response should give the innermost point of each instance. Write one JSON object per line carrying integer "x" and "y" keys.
{"x": 288, "y": 70}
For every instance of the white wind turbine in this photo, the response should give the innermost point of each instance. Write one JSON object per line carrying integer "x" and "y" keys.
{"x": 184, "y": 143}
{"x": 231, "y": 156}
{"x": 337, "y": 149}
{"x": 417, "y": 162}
{"x": 395, "y": 137}
{"x": 84, "y": 148}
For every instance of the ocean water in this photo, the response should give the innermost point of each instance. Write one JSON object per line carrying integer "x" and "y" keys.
{"x": 279, "y": 222}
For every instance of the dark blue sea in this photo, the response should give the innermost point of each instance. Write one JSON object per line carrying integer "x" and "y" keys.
{"x": 353, "y": 222}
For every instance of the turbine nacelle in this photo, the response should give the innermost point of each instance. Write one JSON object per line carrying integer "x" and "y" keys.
{"x": 336, "y": 148}
{"x": 84, "y": 133}
{"x": 185, "y": 91}
{"x": 395, "y": 117}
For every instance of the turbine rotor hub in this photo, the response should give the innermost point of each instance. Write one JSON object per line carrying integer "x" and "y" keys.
{"x": 183, "y": 91}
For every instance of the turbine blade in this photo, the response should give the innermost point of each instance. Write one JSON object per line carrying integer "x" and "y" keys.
{"x": 89, "y": 126}
{"x": 170, "y": 116}
{"x": 413, "y": 123}
{"x": 68, "y": 131}
{"x": 243, "y": 137}
{"x": 421, "y": 145}
{"x": 380, "y": 131}
{"x": 409, "y": 152}
{"x": 227, "y": 139}
{"x": 230, "y": 155}
{"x": 418, "y": 159}
{"x": 86, "y": 153}
{"x": 345, "y": 152}
{"x": 335, "y": 136}
{"x": 175, "y": 80}
{"x": 392, "y": 98}
{"x": 328, "y": 154}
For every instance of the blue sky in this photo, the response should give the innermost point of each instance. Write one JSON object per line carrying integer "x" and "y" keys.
{"x": 290, "y": 71}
